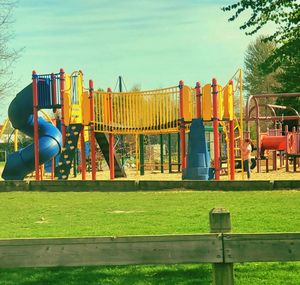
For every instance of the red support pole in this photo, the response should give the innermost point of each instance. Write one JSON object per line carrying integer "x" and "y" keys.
{"x": 62, "y": 95}
{"x": 231, "y": 143}
{"x": 231, "y": 150}
{"x": 92, "y": 130}
{"x": 35, "y": 124}
{"x": 215, "y": 127}
{"x": 198, "y": 99}
{"x": 182, "y": 127}
{"x": 83, "y": 158}
{"x": 111, "y": 140}
{"x": 286, "y": 131}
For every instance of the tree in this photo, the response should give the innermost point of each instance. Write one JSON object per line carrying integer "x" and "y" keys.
{"x": 284, "y": 14}
{"x": 256, "y": 81}
{"x": 7, "y": 55}
{"x": 136, "y": 88}
{"x": 289, "y": 80}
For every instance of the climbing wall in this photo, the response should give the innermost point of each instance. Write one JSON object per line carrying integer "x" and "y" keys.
{"x": 62, "y": 171}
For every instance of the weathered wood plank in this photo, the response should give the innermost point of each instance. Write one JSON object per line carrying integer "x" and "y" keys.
{"x": 220, "y": 222}
{"x": 261, "y": 247}
{"x": 205, "y": 248}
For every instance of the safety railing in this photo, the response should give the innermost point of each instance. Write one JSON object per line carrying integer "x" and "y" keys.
{"x": 49, "y": 91}
{"x": 154, "y": 111}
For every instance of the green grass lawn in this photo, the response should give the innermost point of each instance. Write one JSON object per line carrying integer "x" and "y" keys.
{"x": 45, "y": 214}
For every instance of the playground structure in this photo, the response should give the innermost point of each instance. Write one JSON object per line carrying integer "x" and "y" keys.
{"x": 50, "y": 91}
{"x": 279, "y": 141}
{"x": 169, "y": 109}
{"x": 85, "y": 115}
{"x": 173, "y": 110}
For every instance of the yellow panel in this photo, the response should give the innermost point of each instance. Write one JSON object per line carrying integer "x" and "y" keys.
{"x": 67, "y": 100}
{"x": 86, "y": 133}
{"x": 228, "y": 102}
{"x": 75, "y": 114}
{"x": 76, "y": 111}
{"x": 85, "y": 108}
{"x": 206, "y": 102}
{"x": 187, "y": 103}
{"x": 220, "y": 103}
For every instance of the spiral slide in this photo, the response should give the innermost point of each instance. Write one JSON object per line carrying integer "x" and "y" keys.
{"x": 21, "y": 163}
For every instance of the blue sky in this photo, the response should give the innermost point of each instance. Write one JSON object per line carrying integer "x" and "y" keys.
{"x": 151, "y": 43}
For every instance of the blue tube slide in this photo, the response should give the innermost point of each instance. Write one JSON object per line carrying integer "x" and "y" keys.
{"x": 20, "y": 113}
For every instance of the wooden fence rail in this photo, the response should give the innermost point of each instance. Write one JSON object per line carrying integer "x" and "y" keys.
{"x": 220, "y": 247}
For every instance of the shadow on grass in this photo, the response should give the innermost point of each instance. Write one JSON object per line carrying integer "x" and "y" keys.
{"x": 125, "y": 275}
{"x": 245, "y": 274}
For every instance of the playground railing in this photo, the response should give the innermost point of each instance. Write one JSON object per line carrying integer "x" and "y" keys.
{"x": 48, "y": 91}
{"x": 154, "y": 111}
{"x": 221, "y": 248}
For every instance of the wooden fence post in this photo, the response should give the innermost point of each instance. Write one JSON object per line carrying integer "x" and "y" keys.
{"x": 219, "y": 220}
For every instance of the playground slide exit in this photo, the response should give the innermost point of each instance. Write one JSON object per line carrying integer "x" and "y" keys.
{"x": 20, "y": 113}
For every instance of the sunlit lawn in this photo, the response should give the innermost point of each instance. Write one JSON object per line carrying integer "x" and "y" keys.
{"x": 77, "y": 214}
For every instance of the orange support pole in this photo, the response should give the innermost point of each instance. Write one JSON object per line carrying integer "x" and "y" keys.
{"x": 62, "y": 93}
{"x": 182, "y": 127}
{"x": 92, "y": 130}
{"x": 35, "y": 124}
{"x": 111, "y": 140}
{"x": 215, "y": 127}
{"x": 231, "y": 142}
{"x": 198, "y": 99}
{"x": 83, "y": 158}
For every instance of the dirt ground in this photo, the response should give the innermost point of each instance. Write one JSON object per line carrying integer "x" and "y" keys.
{"x": 156, "y": 175}
{"x": 132, "y": 174}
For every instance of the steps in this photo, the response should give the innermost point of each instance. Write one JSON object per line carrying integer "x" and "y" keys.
{"x": 102, "y": 140}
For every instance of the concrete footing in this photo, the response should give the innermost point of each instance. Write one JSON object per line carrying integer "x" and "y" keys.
{"x": 148, "y": 185}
